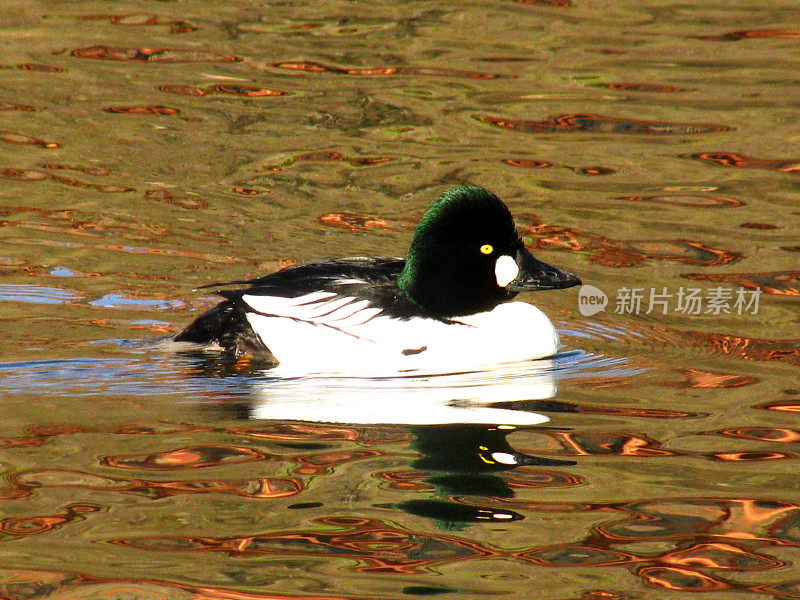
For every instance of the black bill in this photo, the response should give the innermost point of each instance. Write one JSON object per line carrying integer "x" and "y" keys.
{"x": 536, "y": 275}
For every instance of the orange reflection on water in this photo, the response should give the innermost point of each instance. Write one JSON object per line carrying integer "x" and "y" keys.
{"x": 329, "y": 155}
{"x": 755, "y": 512}
{"x": 193, "y": 457}
{"x": 26, "y": 140}
{"x": 746, "y": 348}
{"x": 577, "y": 556}
{"x": 143, "y": 110}
{"x": 25, "y": 526}
{"x": 625, "y": 253}
{"x": 791, "y": 407}
{"x": 530, "y": 163}
{"x": 370, "y": 545}
{"x": 582, "y": 122}
{"x": 16, "y": 527}
{"x": 697, "y": 378}
{"x": 23, "y": 584}
{"x": 377, "y": 546}
{"x": 616, "y": 257}
{"x": 764, "y": 434}
{"x": 20, "y": 442}
{"x": 780, "y": 283}
{"x": 261, "y": 488}
{"x": 597, "y": 170}
{"x": 732, "y": 519}
{"x": 29, "y": 175}
{"x": 729, "y": 159}
{"x": 317, "y": 67}
{"x": 16, "y": 106}
{"x": 687, "y": 580}
{"x": 405, "y": 480}
{"x": 695, "y": 200}
{"x": 99, "y": 171}
{"x": 293, "y": 432}
{"x": 154, "y": 55}
{"x": 755, "y": 225}
{"x": 788, "y": 589}
{"x": 184, "y": 201}
{"x": 542, "y": 478}
{"x": 322, "y": 463}
{"x": 685, "y": 251}
{"x": 213, "y": 258}
{"x": 13, "y": 493}
{"x": 733, "y": 36}
{"x": 84, "y": 224}
{"x": 605, "y": 443}
{"x": 248, "y": 91}
{"x": 561, "y": 3}
{"x": 161, "y": 428}
{"x": 354, "y": 222}
{"x": 750, "y": 456}
{"x": 739, "y": 523}
{"x": 598, "y": 409}
{"x": 641, "y": 87}
{"x": 105, "y": 188}
{"x": 141, "y": 20}
{"x": 33, "y": 67}
{"x": 601, "y": 595}
{"x": 248, "y": 191}
{"x": 212, "y": 593}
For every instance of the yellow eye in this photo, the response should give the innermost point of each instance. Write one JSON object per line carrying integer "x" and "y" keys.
{"x": 487, "y": 249}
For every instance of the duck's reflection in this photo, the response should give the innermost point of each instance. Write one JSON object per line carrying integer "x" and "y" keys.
{"x": 465, "y": 459}
{"x": 460, "y": 421}
{"x": 478, "y": 397}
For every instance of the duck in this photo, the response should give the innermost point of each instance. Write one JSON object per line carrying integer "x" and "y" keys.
{"x": 448, "y": 306}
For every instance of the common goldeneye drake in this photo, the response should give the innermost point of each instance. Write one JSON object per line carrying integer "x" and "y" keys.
{"x": 445, "y": 307}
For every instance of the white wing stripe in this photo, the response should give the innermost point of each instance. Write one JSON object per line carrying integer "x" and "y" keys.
{"x": 316, "y": 309}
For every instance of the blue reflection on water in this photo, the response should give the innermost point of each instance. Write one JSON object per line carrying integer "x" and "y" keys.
{"x": 36, "y": 294}
{"x": 100, "y": 376}
{"x": 120, "y": 301}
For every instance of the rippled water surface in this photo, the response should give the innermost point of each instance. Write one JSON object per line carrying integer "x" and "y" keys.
{"x": 147, "y": 148}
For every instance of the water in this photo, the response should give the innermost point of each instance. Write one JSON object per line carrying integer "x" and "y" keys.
{"x": 150, "y": 148}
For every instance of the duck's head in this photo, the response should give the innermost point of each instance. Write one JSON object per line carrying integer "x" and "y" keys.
{"x": 467, "y": 257}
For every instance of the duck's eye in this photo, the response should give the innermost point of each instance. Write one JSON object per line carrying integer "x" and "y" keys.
{"x": 487, "y": 249}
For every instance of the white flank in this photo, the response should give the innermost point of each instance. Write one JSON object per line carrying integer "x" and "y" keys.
{"x": 323, "y": 332}
{"x": 505, "y": 270}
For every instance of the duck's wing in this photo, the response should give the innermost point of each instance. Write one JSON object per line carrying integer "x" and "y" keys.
{"x": 317, "y": 290}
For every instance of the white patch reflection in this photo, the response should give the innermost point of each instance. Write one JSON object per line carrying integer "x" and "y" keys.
{"x": 411, "y": 400}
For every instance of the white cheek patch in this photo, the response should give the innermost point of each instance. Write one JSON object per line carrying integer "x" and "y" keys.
{"x": 505, "y": 270}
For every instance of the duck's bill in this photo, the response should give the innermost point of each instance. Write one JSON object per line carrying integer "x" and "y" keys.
{"x": 536, "y": 275}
